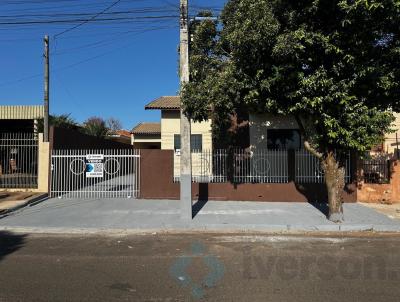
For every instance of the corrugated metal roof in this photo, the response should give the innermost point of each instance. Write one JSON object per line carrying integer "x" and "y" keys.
{"x": 165, "y": 102}
{"x": 147, "y": 128}
{"x": 21, "y": 112}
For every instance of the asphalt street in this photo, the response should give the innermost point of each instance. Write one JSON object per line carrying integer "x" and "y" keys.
{"x": 199, "y": 267}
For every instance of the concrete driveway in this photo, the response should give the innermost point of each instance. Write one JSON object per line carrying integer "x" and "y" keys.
{"x": 116, "y": 215}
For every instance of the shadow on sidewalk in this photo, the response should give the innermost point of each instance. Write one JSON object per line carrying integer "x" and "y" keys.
{"x": 10, "y": 243}
{"x": 322, "y": 207}
{"x": 202, "y": 200}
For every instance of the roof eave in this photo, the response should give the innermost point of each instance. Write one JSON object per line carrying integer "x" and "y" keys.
{"x": 146, "y": 133}
{"x": 162, "y": 108}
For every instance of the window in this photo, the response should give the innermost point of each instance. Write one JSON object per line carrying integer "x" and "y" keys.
{"x": 196, "y": 141}
{"x": 177, "y": 141}
{"x": 283, "y": 139}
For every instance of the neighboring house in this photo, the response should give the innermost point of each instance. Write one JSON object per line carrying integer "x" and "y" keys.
{"x": 20, "y": 119}
{"x": 146, "y": 136}
{"x": 24, "y": 157}
{"x": 167, "y": 133}
{"x": 392, "y": 140}
{"x": 121, "y": 136}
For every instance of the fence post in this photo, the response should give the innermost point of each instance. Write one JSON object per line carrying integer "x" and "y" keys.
{"x": 389, "y": 170}
{"x": 43, "y": 165}
{"x": 291, "y": 165}
{"x": 230, "y": 165}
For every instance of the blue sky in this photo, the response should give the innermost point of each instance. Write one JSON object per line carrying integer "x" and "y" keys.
{"x": 107, "y": 69}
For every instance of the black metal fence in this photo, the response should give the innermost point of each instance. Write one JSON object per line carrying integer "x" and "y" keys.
{"x": 376, "y": 171}
{"x": 18, "y": 160}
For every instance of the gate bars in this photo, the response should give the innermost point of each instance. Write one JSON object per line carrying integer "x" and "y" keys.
{"x": 18, "y": 160}
{"x": 121, "y": 174}
{"x": 258, "y": 166}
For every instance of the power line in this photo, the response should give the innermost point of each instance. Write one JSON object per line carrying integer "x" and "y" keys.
{"x": 73, "y": 64}
{"x": 135, "y": 11}
{"x": 107, "y": 41}
{"x": 154, "y": 9}
{"x": 110, "y": 20}
{"x": 21, "y": 80}
{"x": 84, "y": 22}
{"x": 65, "y": 6}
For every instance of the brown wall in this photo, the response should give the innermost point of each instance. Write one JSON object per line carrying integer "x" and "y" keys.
{"x": 61, "y": 138}
{"x": 382, "y": 193}
{"x": 157, "y": 183}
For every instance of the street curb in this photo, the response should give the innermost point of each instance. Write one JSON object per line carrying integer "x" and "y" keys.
{"x": 29, "y": 202}
{"x": 277, "y": 229}
{"x": 387, "y": 228}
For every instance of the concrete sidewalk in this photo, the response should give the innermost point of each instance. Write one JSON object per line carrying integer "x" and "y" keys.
{"x": 390, "y": 210}
{"x": 130, "y": 215}
{"x": 12, "y": 201}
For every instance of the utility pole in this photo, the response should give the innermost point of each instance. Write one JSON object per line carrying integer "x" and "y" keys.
{"x": 46, "y": 89}
{"x": 186, "y": 157}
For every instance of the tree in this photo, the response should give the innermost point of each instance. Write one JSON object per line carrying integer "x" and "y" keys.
{"x": 95, "y": 126}
{"x": 332, "y": 64}
{"x": 113, "y": 125}
{"x": 60, "y": 121}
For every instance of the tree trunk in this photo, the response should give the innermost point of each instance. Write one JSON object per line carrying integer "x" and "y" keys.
{"x": 334, "y": 180}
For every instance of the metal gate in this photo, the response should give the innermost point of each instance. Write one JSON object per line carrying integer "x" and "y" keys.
{"x": 87, "y": 174}
{"x": 19, "y": 160}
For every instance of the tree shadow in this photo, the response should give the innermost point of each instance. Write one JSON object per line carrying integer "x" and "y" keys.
{"x": 322, "y": 207}
{"x": 202, "y": 200}
{"x": 316, "y": 195}
{"x": 10, "y": 243}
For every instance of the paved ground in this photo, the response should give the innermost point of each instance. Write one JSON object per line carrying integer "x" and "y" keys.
{"x": 60, "y": 215}
{"x": 177, "y": 267}
{"x": 390, "y": 210}
{"x": 10, "y": 200}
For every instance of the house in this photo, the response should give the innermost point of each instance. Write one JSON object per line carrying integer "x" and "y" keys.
{"x": 265, "y": 131}
{"x": 269, "y": 131}
{"x": 392, "y": 140}
{"x": 20, "y": 119}
{"x": 166, "y": 134}
{"x": 146, "y": 136}
{"x": 121, "y": 136}
{"x": 24, "y": 157}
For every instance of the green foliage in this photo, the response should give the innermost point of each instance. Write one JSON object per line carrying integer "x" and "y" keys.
{"x": 63, "y": 121}
{"x": 332, "y": 64}
{"x": 95, "y": 126}
{"x": 60, "y": 121}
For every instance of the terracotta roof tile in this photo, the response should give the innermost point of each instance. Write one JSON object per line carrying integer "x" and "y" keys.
{"x": 147, "y": 128}
{"x": 123, "y": 132}
{"x": 165, "y": 102}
